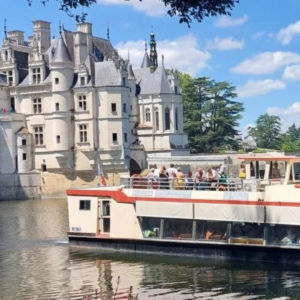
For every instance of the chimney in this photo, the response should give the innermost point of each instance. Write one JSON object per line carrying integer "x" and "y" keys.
{"x": 42, "y": 33}
{"x": 17, "y": 36}
{"x": 85, "y": 28}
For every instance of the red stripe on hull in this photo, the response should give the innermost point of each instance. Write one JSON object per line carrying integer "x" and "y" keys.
{"x": 120, "y": 197}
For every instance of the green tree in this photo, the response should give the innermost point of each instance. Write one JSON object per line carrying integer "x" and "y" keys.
{"x": 186, "y": 10}
{"x": 210, "y": 113}
{"x": 266, "y": 133}
{"x": 290, "y": 141}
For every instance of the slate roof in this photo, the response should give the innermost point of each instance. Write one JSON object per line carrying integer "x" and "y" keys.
{"x": 146, "y": 61}
{"x": 106, "y": 74}
{"x": 130, "y": 71}
{"x": 153, "y": 83}
{"x": 61, "y": 53}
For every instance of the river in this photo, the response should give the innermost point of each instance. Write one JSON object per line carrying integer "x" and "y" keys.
{"x": 36, "y": 262}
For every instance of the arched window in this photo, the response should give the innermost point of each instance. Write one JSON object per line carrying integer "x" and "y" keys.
{"x": 176, "y": 119}
{"x": 148, "y": 115}
{"x": 156, "y": 119}
{"x": 167, "y": 119}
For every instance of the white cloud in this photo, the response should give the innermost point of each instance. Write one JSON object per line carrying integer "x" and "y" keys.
{"x": 288, "y": 115}
{"x": 191, "y": 61}
{"x": 285, "y": 35}
{"x": 226, "y": 21}
{"x": 292, "y": 73}
{"x": 228, "y": 43}
{"x": 258, "y": 35}
{"x": 266, "y": 63}
{"x": 260, "y": 87}
{"x": 153, "y": 8}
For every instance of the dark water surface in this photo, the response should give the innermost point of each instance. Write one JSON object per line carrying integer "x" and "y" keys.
{"x": 36, "y": 262}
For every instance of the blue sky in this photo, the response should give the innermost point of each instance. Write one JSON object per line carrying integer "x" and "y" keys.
{"x": 257, "y": 49}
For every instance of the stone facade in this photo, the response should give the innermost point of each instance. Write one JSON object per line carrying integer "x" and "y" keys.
{"x": 83, "y": 107}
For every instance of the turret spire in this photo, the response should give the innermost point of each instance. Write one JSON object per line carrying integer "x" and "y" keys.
{"x": 5, "y": 30}
{"x": 146, "y": 60}
{"x": 107, "y": 32}
{"x": 59, "y": 27}
{"x": 153, "y": 53}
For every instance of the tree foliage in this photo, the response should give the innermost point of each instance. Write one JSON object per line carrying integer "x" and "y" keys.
{"x": 186, "y": 10}
{"x": 210, "y": 113}
{"x": 290, "y": 141}
{"x": 266, "y": 133}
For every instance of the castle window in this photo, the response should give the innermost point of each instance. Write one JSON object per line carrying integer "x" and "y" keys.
{"x": 83, "y": 133}
{"x": 23, "y": 142}
{"x": 57, "y": 106}
{"x": 12, "y": 104}
{"x": 37, "y": 105}
{"x": 156, "y": 119}
{"x": 113, "y": 107}
{"x": 125, "y": 137}
{"x": 10, "y": 78}
{"x": 56, "y": 80}
{"x": 131, "y": 107}
{"x": 123, "y": 81}
{"x": 176, "y": 90}
{"x": 24, "y": 156}
{"x": 176, "y": 119}
{"x": 148, "y": 115}
{"x": 115, "y": 137}
{"x": 6, "y": 55}
{"x": 58, "y": 139}
{"x": 124, "y": 108}
{"x": 36, "y": 75}
{"x": 167, "y": 119}
{"x": 82, "y": 81}
{"x": 38, "y": 135}
{"x": 82, "y": 103}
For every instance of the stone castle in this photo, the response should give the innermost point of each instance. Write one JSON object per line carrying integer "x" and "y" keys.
{"x": 71, "y": 105}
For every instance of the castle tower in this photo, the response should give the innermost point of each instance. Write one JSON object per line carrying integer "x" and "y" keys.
{"x": 42, "y": 33}
{"x": 153, "y": 53}
{"x": 133, "y": 101}
{"x": 24, "y": 150}
{"x": 62, "y": 74}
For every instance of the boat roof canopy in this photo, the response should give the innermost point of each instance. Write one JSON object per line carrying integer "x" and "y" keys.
{"x": 269, "y": 158}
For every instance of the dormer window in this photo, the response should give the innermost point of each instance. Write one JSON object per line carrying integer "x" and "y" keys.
{"x": 6, "y": 55}
{"x": 123, "y": 81}
{"x": 176, "y": 90}
{"x": 82, "y": 81}
{"x": 36, "y": 75}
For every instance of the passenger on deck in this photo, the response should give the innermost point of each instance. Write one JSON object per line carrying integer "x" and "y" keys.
{"x": 189, "y": 181}
{"x": 151, "y": 176}
{"x": 242, "y": 173}
{"x": 201, "y": 180}
{"x": 179, "y": 182}
{"x": 275, "y": 171}
{"x": 211, "y": 177}
{"x": 163, "y": 179}
{"x": 171, "y": 171}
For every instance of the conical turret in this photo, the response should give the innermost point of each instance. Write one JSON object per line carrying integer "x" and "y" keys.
{"x": 130, "y": 71}
{"x": 146, "y": 60}
{"x": 61, "y": 53}
{"x": 153, "y": 53}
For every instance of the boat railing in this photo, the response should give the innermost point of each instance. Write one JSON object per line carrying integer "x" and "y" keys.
{"x": 230, "y": 184}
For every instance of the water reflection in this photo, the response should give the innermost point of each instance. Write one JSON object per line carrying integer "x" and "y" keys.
{"x": 36, "y": 262}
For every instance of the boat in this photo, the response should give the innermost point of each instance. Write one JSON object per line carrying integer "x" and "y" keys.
{"x": 256, "y": 218}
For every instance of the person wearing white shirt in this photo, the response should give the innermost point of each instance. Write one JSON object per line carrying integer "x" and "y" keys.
{"x": 171, "y": 171}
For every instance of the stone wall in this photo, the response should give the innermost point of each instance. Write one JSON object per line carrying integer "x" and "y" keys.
{"x": 56, "y": 184}
{"x": 20, "y": 186}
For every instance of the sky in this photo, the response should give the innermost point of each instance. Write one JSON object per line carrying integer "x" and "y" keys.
{"x": 257, "y": 49}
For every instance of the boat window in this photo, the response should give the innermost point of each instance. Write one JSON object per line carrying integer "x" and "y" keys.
{"x": 178, "y": 229}
{"x": 211, "y": 231}
{"x": 85, "y": 205}
{"x": 150, "y": 227}
{"x": 247, "y": 233}
{"x": 106, "y": 208}
{"x": 284, "y": 234}
{"x": 297, "y": 171}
